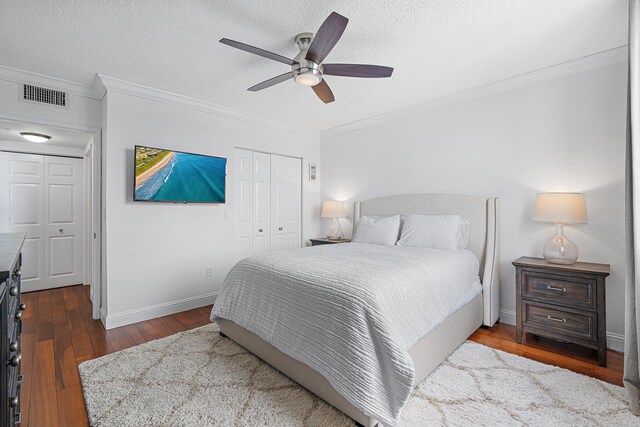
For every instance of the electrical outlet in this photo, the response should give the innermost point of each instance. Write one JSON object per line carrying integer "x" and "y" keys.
{"x": 209, "y": 272}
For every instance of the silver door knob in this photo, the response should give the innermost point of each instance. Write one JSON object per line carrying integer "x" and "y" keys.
{"x": 280, "y": 228}
{"x": 15, "y": 360}
{"x": 260, "y": 230}
{"x": 18, "y": 315}
{"x": 14, "y": 402}
{"x": 13, "y": 291}
{"x": 13, "y": 346}
{"x": 22, "y": 307}
{"x": 18, "y": 273}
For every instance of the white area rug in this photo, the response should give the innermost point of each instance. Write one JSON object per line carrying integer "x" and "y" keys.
{"x": 198, "y": 378}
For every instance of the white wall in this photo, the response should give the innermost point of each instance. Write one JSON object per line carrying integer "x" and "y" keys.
{"x": 157, "y": 253}
{"x": 562, "y": 135}
{"x": 31, "y": 147}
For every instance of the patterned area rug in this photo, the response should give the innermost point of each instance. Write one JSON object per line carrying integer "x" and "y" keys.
{"x": 198, "y": 378}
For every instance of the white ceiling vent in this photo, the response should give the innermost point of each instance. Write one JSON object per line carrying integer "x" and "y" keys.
{"x": 44, "y": 95}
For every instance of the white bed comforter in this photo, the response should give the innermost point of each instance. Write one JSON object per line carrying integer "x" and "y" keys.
{"x": 351, "y": 311}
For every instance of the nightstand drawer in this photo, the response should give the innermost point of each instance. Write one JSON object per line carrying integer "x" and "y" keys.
{"x": 573, "y": 292}
{"x": 556, "y": 321}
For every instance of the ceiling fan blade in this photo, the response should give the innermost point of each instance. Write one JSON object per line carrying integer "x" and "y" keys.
{"x": 324, "y": 92}
{"x": 357, "y": 70}
{"x": 272, "y": 81}
{"x": 258, "y": 51}
{"x": 326, "y": 38}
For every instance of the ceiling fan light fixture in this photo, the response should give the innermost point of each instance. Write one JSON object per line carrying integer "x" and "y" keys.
{"x": 35, "y": 137}
{"x": 308, "y": 79}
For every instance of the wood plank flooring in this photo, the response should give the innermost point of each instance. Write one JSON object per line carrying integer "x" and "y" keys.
{"x": 59, "y": 333}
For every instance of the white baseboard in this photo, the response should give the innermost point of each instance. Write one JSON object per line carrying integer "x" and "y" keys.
{"x": 103, "y": 317}
{"x": 615, "y": 342}
{"x": 508, "y": 317}
{"x": 116, "y": 320}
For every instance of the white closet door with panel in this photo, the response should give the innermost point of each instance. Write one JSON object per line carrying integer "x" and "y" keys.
{"x": 261, "y": 203}
{"x": 22, "y": 210}
{"x": 243, "y": 187}
{"x": 64, "y": 221}
{"x": 43, "y": 197}
{"x": 286, "y": 186}
{"x": 268, "y": 198}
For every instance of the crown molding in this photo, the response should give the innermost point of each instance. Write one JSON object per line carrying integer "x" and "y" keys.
{"x": 587, "y": 63}
{"x": 105, "y": 84}
{"x": 21, "y": 76}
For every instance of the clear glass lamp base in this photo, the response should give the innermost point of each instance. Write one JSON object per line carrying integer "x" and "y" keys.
{"x": 560, "y": 250}
{"x": 335, "y": 231}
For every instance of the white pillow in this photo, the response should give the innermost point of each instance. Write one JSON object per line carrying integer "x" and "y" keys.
{"x": 435, "y": 231}
{"x": 381, "y": 231}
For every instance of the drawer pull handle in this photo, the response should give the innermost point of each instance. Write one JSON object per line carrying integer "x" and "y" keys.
{"x": 553, "y": 288}
{"x": 555, "y": 319}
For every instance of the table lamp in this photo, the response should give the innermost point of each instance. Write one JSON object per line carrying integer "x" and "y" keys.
{"x": 560, "y": 209}
{"x": 333, "y": 209}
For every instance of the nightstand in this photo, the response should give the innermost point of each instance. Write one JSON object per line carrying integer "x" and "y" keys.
{"x": 324, "y": 241}
{"x": 562, "y": 302}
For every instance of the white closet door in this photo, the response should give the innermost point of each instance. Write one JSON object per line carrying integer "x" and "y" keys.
{"x": 261, "y": 202}
{"x": 268, "y": 198}
{"x": 286, "y": 186}
{"x": 22, "y": 210}
{"x": 64, "y": 221}
{"x": 278, "y": 202}
{"x": 43, "y": 197}
{"x": 293, "y": 204}
{"x": 243, "y": 187}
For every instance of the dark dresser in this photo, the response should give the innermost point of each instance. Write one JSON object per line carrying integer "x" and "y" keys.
{"x": 11, "y": 310}
{"x": 563, "y": 302}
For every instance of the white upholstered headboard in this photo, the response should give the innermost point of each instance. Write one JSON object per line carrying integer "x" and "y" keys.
{"x": 482, "y": 214}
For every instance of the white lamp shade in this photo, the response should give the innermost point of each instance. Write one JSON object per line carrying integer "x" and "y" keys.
{"x": 333, "y": 209}
{"x": 566, "y": 208}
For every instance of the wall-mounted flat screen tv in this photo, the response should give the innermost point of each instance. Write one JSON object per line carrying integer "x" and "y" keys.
{"x": 175, "y": 176}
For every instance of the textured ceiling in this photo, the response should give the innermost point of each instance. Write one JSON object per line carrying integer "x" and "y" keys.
{"x": 10, "y": 131}
{"x": 438, "y": 47}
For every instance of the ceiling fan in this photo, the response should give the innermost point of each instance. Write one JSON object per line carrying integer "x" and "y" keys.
{"x": 307, "y": 67}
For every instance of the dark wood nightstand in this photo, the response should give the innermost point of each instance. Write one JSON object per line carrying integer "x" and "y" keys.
{"x": 563, "y": 302}
{"x": 324, "y": 241}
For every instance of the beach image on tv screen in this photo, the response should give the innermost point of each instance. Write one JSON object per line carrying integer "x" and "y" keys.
{"x": 173, "y": 176}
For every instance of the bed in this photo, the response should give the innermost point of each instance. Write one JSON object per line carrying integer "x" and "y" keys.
{"x": 379, "y": 363}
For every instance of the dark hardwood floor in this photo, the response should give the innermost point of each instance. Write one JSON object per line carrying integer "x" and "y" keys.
{"x": 59, "y": 333}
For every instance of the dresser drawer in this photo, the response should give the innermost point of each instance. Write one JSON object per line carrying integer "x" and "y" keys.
{"x": 571, "y": 292}
{"x": 555, "y": 322}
